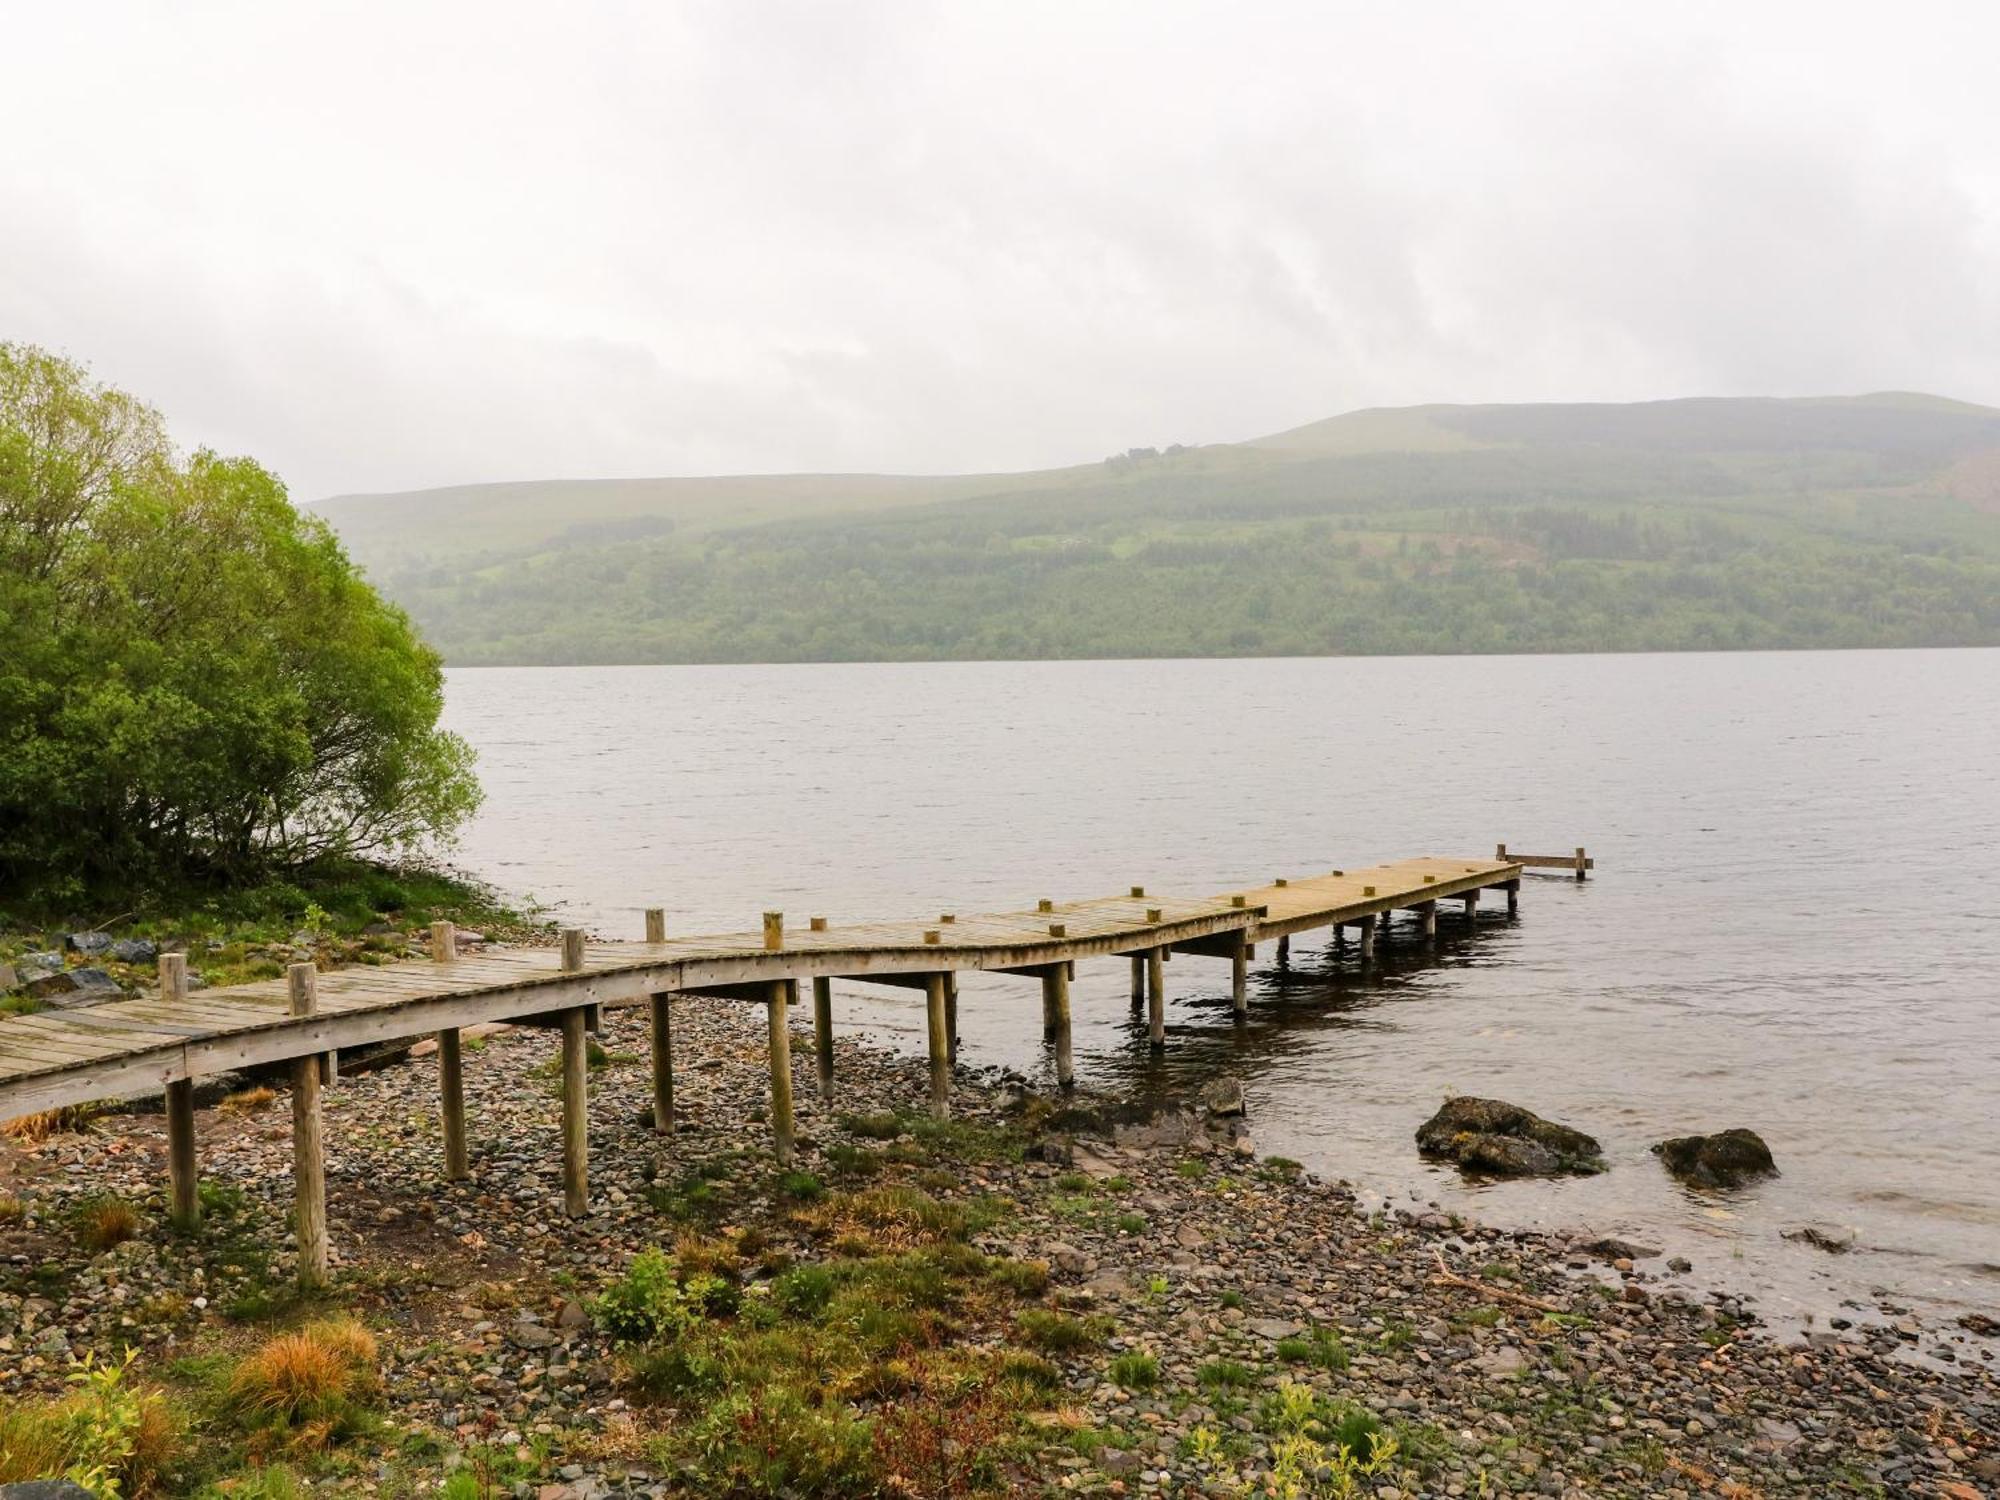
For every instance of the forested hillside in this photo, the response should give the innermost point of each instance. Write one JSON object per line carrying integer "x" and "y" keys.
{"x": 1870, "y": 521}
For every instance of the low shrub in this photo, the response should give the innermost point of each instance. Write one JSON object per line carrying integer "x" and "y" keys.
{"x": 645, "y": 1303}
{"x": 114, "y": 1439}
{"x": 1135, "y": 1371}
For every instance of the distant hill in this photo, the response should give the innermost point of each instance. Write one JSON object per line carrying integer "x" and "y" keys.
{"x": 1702, "y": 523}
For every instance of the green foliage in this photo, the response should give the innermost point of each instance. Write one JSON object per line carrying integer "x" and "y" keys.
{"x": 1058, "y": 1333}
{"x": 106, "y": 1435}
{"x": 646, "y": 1303}
{"x": 1135, "y": 1371}
{"x": 195, "y": 683}
{"x": 1316, "y": 1346}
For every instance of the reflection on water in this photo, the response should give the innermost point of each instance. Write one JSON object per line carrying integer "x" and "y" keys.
{"x": 1793, "y": 926}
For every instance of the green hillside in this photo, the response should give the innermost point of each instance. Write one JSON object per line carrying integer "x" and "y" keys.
{"x": 1697, "y": 524}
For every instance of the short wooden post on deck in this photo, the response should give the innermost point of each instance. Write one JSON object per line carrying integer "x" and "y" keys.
{"x": 1055, "y": 1002}
{"x": 777, "y": 1003}
{"x": 183, "y": 1172}
{"x": 575, "y": 1089}
{"x": 940, "y": 1048}
{"x": 1368, "y": 938}
{"x": 823, "y": 1032}
{"x": 774, "y": 931}
{"x": 451, "y": 1068}
{"x": 1156, "y": 998}
{"x": 308, "y": 1147}
{"x": 1239, "y": 977}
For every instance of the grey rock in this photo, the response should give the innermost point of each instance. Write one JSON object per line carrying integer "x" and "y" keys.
{"x": 1504, "y": 1363}
{"x": 532, "y": 1336}
{"x": 1068, "y": 1259}
{"x": 45, "y": 1489}
{"x": 1223, "y": 1098}
{"x": 89, "y": 944}
{"x": 134, "y": 951}
{"x": 1272, "y": 1328}
{"x": 45, "y": 962}
{"x": 1830, "y": 1238}
{"x": 1499, "y": 1139}
{"x": 1723, "y": 1160}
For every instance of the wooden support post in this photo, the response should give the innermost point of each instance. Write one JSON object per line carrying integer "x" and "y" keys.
{"x": 934, "y": 1015}
{"x": 1430, "y": 913}
{"x": 575, "y": 1115}
{"x": 823, "y": 1033}
{"x": 1156, "y": 998}
{"x": 183, "y": 1170}
{"x": 777, "y": 1002}
{"x": 662, "y": 1018}
{"x": 451, "y": 1105}
{"x": 451, "y": 1068}
{"x": 1368, "y": 939}
{"x": 1138, "y": 981}
{"x": 1055, "y": 1002}
{"x": 656, "y": 924}
{"x": 951, "y": 1015}
{"x": 308, "y": 1148}
{"x": 1513, "y": 889}
{"x": 575, "y": 1089}
{"x": 774, "y": 931}
{"x": 1471, "y": 900}
{"x": 1048, "y": 1011}
{"x": 1285, "y": 952}
{"x": 1239, "y": 976}
{"x": 1582, "y": 863}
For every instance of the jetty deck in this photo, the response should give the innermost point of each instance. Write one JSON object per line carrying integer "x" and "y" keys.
{"x": 162, "y": 1043}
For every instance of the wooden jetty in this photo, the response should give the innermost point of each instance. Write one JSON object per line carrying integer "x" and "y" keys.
{"x": 164, "y": 1043}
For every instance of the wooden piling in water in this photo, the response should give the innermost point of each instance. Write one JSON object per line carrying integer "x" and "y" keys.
{"x": 1513, "y": 890}
{"x": 308, "y": 1146}
{"x": 940, "y": 1050}
{"x": 1239, "y": 977}
{"x": 1156, "y": 998}
{"x": 1367, "y": 939}
{"x": 1429, "y": 912}
{"x": 1055, "y": 1001}
{"x": 823, "y": 1033}
{"x": 1138, "y": 981}
{"x": 183, "y": 1165}
{"x": 1285, "y": 952}
{"x": 777, "y": 1003}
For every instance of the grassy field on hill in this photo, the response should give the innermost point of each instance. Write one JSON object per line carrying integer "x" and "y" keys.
{"x": 1704, "y": 524}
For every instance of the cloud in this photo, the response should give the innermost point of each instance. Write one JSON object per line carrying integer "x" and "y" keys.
{"x": 383, "y": 247}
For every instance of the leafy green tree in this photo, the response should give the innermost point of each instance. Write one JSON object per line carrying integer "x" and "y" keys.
{"x": 194, "y": 681}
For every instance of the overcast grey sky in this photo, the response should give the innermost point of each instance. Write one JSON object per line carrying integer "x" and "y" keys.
{"x": 380, "y": 246}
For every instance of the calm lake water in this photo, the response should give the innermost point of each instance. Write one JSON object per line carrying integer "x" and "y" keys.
{"x": 1795, "y": 923}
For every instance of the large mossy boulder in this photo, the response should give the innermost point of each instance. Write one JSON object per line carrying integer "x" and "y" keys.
{"x": 1498, "y": 1139}
{"x": 1726, "y": 1159}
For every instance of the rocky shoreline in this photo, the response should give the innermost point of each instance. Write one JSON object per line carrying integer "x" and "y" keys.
{"x": 1226, "y": 1291}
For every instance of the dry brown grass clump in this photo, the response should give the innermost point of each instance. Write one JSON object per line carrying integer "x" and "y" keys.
{"x": 107, "y": 1223}
{"x": 310, "y": 1385}
{"x": 12, "y": 1210}
{"x": 32, "y": 1130}
{"x": 245, "y": 1101}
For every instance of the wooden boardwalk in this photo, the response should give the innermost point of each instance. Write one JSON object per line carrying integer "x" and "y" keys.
{"x": 162, "y": 1043}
